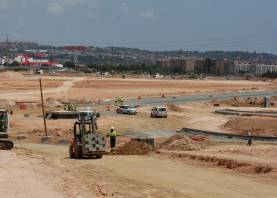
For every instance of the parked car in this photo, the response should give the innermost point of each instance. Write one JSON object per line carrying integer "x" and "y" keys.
{"x": 125, "y": 109}
{"x": 159, "y": 112}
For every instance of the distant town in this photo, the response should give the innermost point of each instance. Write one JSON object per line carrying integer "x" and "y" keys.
{"x": 26, "y": 55}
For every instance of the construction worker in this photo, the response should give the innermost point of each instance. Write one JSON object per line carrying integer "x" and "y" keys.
{"x": 112, "y": 135}
{"x": 249, "y": 141}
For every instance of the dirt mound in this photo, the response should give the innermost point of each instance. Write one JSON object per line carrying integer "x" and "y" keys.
{"x": 173, "y": 107}
{"x": 52, "y": 102}
{"x": 180, "y": 143}
{"x": 243, "y": 102}
{"x": 10, "y": 74}
{"x": 257, "y": 126}
{"x": 240, "y": 166}
{"x": 134, "y": 148}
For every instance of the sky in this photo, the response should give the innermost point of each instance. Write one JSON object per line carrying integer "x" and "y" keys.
{"x": 248, "y": 25}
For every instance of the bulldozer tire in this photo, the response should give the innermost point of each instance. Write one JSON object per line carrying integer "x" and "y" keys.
{"x": 6, "y": 145}
{"x": 71, "y": 152}
{"x": 9, "y": 145}
{"x": 78, "y": 153}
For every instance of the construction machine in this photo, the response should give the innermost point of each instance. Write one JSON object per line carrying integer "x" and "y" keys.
{"x": 86, "y": 141}
{"x": 119, "y": 100}
{"x": 70, "y": 106}
{"x": 5, "y": 144}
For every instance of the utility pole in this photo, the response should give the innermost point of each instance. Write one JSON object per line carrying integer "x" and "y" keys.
{"x": 43, "y": 110}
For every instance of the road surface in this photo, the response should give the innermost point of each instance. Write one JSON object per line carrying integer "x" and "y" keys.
{"x": 199, "y": 97}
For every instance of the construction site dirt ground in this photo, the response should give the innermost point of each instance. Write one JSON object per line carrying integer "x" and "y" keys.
{"x": 128, "y": 176}
{"x": 217, "y": 169}
{"x": 20, "y": 86}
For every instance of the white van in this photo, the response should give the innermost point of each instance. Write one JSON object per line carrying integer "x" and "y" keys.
{"x": 159, "y": 112}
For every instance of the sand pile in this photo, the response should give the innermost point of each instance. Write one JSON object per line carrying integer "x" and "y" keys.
{"x": 134, "y": 148}
{"x": 175, "y": 108}
{"x": 180, "y": 143}
{"x": 52, "y": 102}
{"x": 261, "y": 126}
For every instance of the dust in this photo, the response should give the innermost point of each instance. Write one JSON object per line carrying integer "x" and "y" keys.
{"x": 134, "y": 148}
{"x": 180, "y": 143}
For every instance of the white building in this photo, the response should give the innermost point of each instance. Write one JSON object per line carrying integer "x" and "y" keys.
{"x": 242, "y": 67}
{"x": 263, "y": 68}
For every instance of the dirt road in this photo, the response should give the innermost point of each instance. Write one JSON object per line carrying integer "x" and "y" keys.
{"x": 146, "y": 176}
{"x": 34, "y": 94}
{"x": 18, "y": 180}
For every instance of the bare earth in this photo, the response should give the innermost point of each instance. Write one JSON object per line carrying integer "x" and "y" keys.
{"x": 222, "y": 169}
{"x": 257, "y": 125}
{"x": 18, "y": 179}
{"x": 26, "y": 87}
{"x": 133, "y": 176}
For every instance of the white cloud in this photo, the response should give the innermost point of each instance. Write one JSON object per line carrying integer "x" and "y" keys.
{"x": 55, "y": 8}
{"x": 124, "y": 7}
{"x": 148, "y": 14}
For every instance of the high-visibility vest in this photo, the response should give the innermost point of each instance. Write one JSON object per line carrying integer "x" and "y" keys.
{"x": 113, "y": 133}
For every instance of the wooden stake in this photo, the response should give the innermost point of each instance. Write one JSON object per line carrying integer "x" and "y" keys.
{"x": 43, "y": 110}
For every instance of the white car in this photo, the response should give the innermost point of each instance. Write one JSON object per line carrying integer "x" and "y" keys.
{"x": 125, "y": 109}
{"x": 159, "y": 112}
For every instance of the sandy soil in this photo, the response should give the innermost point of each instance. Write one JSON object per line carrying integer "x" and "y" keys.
{"x": 18, "y": 179}
{"x": 16, "y": 86}
{"x": 260, "y": 126}
{"x": 145, "y": 176}
{"x": 169, "y": 174}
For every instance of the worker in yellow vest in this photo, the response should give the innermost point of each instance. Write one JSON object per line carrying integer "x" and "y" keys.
{"x": 113, "y": 135}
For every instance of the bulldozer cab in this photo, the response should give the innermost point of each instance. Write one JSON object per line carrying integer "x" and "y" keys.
{"x": 86, "y": 124}
{"x": 4, "y": 123}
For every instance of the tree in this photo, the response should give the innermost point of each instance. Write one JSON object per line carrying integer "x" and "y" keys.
{"x": 69, "y": 64}
{"x": 15, "y": 63}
